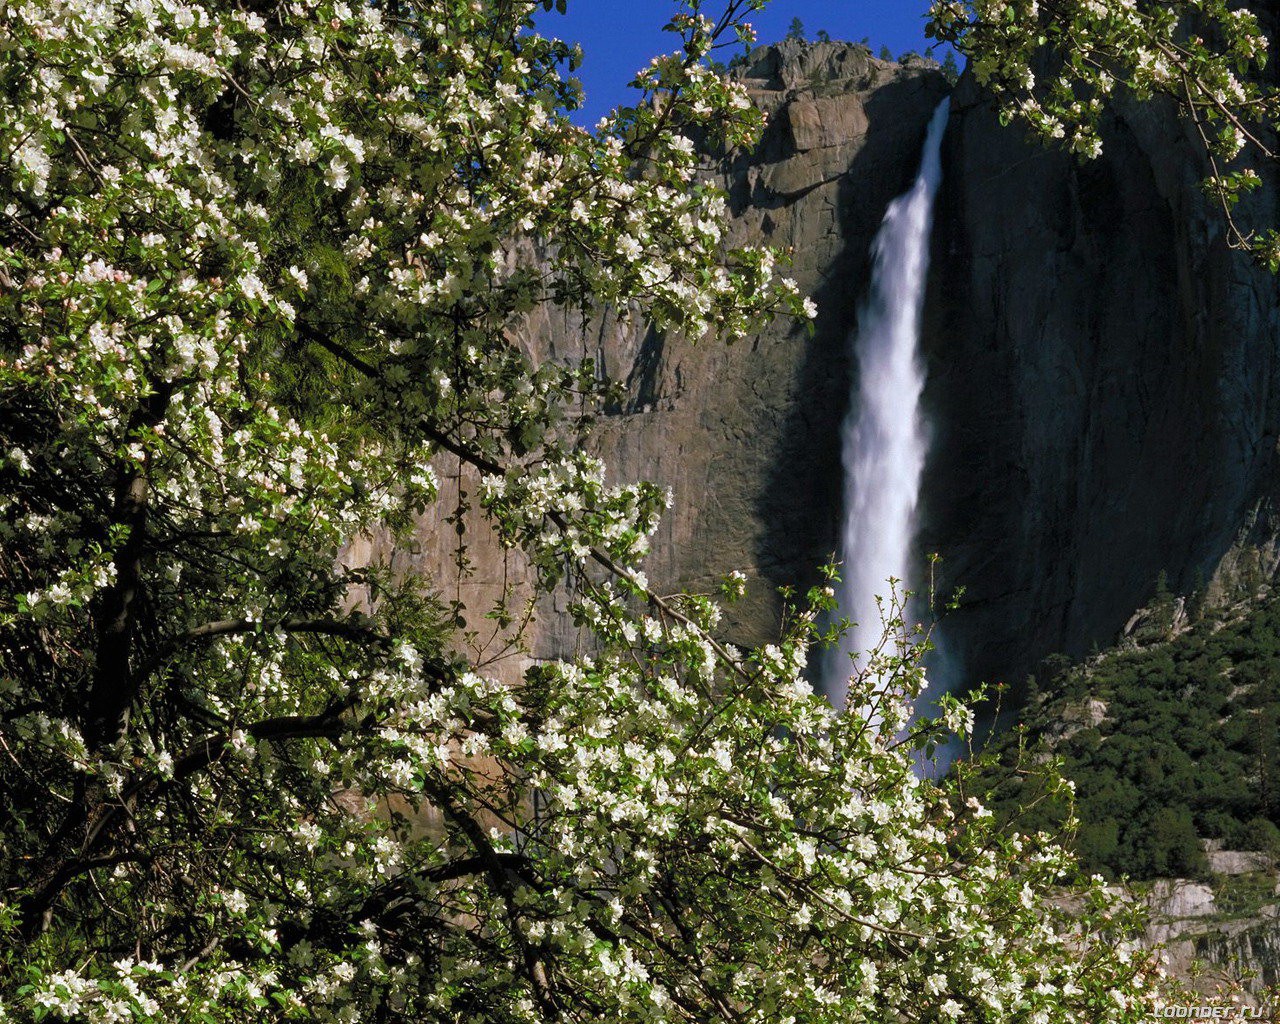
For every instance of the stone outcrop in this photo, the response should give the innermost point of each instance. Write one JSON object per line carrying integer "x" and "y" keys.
{"x": 1086, "y": 714}
{"x": 1175, "y": 901}
{"x": 1207, "y": 947}
{"x": 1238, "y": 862}
{"x": 1103, "y": 385}
{"x": 1103, "y": 371}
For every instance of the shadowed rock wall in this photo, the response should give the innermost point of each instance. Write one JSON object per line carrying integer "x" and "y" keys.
{"x": 1103, "y": 383}
{"x": 1103, "y": 373}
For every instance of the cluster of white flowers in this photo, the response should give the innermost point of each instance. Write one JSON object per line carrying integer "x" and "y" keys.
{"x": 566, "y": 508}
{"x": 251, "y": 326}
{"x": 1149, "y": 48}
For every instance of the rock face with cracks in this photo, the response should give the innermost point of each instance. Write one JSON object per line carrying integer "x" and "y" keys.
{"x": 1103, "y": 381}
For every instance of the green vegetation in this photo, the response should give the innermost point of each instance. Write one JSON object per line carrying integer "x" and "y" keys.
{"x": 1244, "y": 895}
{"x": 1187, "y": 748}
{"x": 950, "y": 68}
{"x": 266, "y": 267}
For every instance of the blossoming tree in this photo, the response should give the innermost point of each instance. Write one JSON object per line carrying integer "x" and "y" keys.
{"x": 1209, "y": 57}
{"x": 261, "y": 265}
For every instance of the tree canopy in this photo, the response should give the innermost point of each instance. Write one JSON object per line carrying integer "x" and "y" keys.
{"x": 263, "y": 267}
{"x": 1181, "y": 742}
{"x": 1056, "y": 66}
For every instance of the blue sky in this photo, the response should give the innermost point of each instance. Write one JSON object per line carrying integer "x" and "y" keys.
{"x": 619, "y": 36}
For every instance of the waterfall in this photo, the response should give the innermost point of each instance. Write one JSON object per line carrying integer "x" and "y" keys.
{"x": 884, "y": 437}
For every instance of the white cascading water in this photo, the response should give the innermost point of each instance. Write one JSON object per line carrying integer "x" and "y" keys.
{"x": 884, "y": 437}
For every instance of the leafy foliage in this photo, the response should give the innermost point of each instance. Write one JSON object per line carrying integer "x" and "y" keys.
{"x": 1188, "y": 747}
{"x": 1054, "y": 65}
{"x": 950, "y": 67}
{"x": 264, "y": 265}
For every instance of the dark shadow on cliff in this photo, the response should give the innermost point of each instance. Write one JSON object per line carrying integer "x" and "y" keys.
{"x": 1102, "y": 386}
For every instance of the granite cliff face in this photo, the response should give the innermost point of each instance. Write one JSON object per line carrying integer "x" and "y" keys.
{"x": 1103, "y": 380}
{"x": 1104, "y": 387}
{"x": 1103, "y": 372}
{"x": 746, "y": 435}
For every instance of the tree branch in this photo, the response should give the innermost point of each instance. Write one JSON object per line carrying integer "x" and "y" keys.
{"x": 357, "y": 627}
{"x": 114, "y": 685}
{"x": 35, "y": 910}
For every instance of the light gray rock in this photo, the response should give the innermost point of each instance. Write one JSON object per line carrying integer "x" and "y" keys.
{"x": 826, "y": 121}
{"x": 1204, "y": 947}
{"x": 1178, "y": 898}
{"x": 1086, "y": 714}
{"x": 1238, "y": 862}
